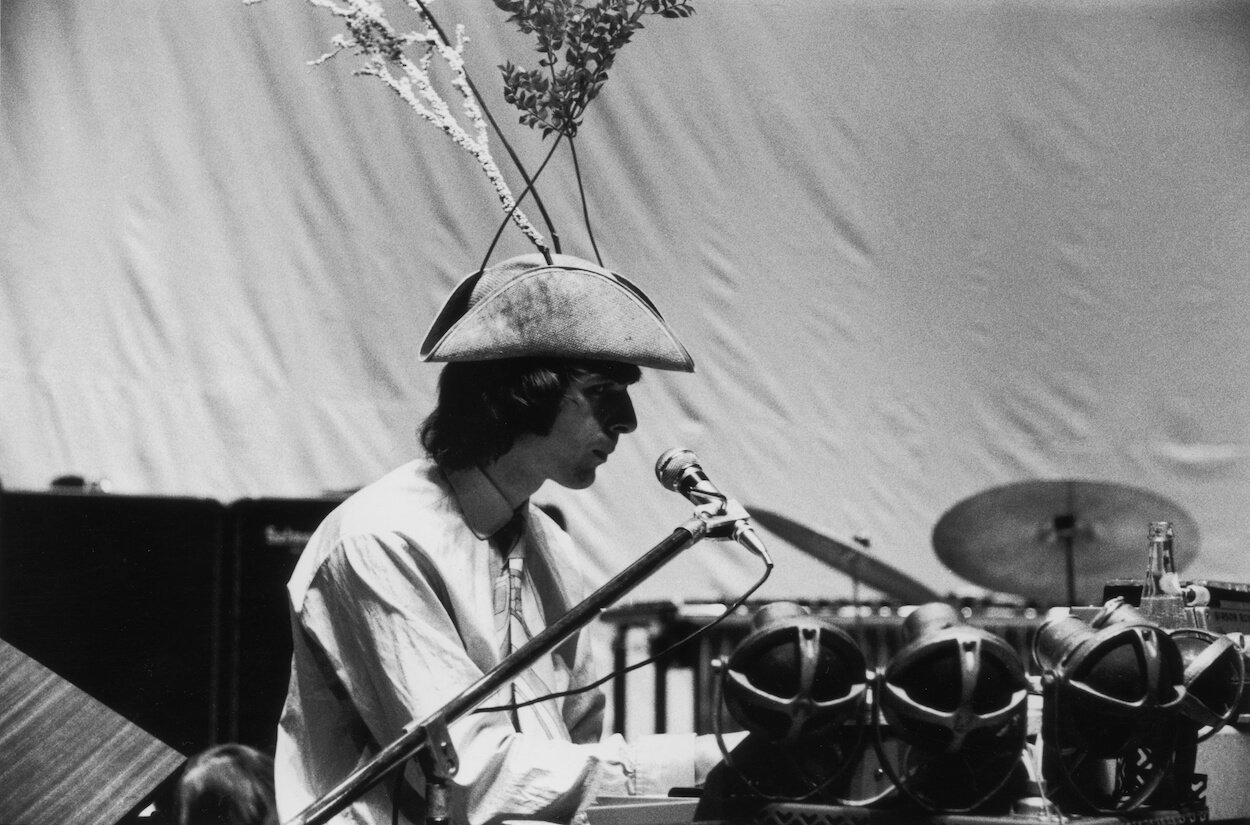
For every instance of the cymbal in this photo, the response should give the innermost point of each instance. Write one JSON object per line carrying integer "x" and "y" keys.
{"x": 855, "y": 563}
{"x": 1057, "y": 542}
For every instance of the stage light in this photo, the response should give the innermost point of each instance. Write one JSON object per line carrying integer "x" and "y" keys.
{"x": 798, "y": 685}
{"x": 794, "y": 676}
{"x": 1214, "y": 675}
{"x": 1111, "y": 690}
{"x": 955, "y": 699}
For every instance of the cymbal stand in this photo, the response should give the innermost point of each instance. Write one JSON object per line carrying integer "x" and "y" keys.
{"x": 1065, "y": 529}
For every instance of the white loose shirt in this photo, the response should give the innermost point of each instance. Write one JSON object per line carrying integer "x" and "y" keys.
{"x": 392, "y": 617}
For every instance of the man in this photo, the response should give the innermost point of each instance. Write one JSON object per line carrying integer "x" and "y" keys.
{"x": 422, "y": 581}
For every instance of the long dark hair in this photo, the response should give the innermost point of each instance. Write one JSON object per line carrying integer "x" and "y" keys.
{"x": 484, "y": 405}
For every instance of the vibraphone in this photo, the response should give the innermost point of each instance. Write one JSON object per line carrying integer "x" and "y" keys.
{"x": 680, "y": 685}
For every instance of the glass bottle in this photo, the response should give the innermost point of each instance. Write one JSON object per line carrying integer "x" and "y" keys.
{"x": 1162, "y": 601}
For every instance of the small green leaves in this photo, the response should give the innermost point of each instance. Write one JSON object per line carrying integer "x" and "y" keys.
{"x": 578, "y": 42}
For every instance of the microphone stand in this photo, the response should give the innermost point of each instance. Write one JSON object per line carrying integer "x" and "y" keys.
{"x": 429, "y": 738}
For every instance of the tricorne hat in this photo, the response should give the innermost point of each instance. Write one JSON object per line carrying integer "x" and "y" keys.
{"x": 568, "y": 308}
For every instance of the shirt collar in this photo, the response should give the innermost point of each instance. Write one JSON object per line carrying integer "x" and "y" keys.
{"x": 485, "y": 509}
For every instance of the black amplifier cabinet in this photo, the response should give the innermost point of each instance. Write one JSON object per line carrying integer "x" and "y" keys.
{"x": 267, "y": 536}
{"x": 118, "y": 596}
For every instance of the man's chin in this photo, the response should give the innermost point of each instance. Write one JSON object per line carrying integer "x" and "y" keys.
{"x": 578, "y": 481}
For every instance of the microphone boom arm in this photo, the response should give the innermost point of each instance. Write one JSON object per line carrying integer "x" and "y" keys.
{"x": 429, "y": 735}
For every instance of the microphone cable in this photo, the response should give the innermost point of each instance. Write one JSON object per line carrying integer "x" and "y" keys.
{"x": 652, "y": 659}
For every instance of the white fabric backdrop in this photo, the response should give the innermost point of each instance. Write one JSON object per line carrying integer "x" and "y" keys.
{"x": 918, "y": 249}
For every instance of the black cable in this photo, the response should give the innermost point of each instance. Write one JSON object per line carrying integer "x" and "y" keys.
{"x": 581, "y": 191}
{"x": 733, "y": 608}
{"x": 516, "y": 204}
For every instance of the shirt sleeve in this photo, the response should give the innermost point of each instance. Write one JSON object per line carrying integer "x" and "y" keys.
{"x": 397, "y": 650}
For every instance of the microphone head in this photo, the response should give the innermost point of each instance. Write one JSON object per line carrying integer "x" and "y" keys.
{"x": 670, "y": 467}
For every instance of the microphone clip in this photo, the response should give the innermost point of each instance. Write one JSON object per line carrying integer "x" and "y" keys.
{"x": 722, "y": 517}
{"x": 726, "y": 519}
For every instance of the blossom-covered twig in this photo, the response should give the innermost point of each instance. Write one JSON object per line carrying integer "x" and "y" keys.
{"x": 384, "y": 52}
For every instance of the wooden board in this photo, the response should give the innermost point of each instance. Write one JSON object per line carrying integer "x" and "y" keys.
{"x": 64, "y": 757}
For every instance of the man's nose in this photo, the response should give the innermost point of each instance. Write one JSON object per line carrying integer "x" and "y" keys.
{"x": 621, "y": 418}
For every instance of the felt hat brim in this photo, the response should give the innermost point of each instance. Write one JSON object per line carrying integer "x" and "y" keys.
{"x": 569, "y": 308}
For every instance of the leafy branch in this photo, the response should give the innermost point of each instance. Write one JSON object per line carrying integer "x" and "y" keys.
{"x": 578, "y": 42}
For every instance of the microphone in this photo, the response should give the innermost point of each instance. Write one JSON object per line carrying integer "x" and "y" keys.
{"x": 678, "y": 470}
